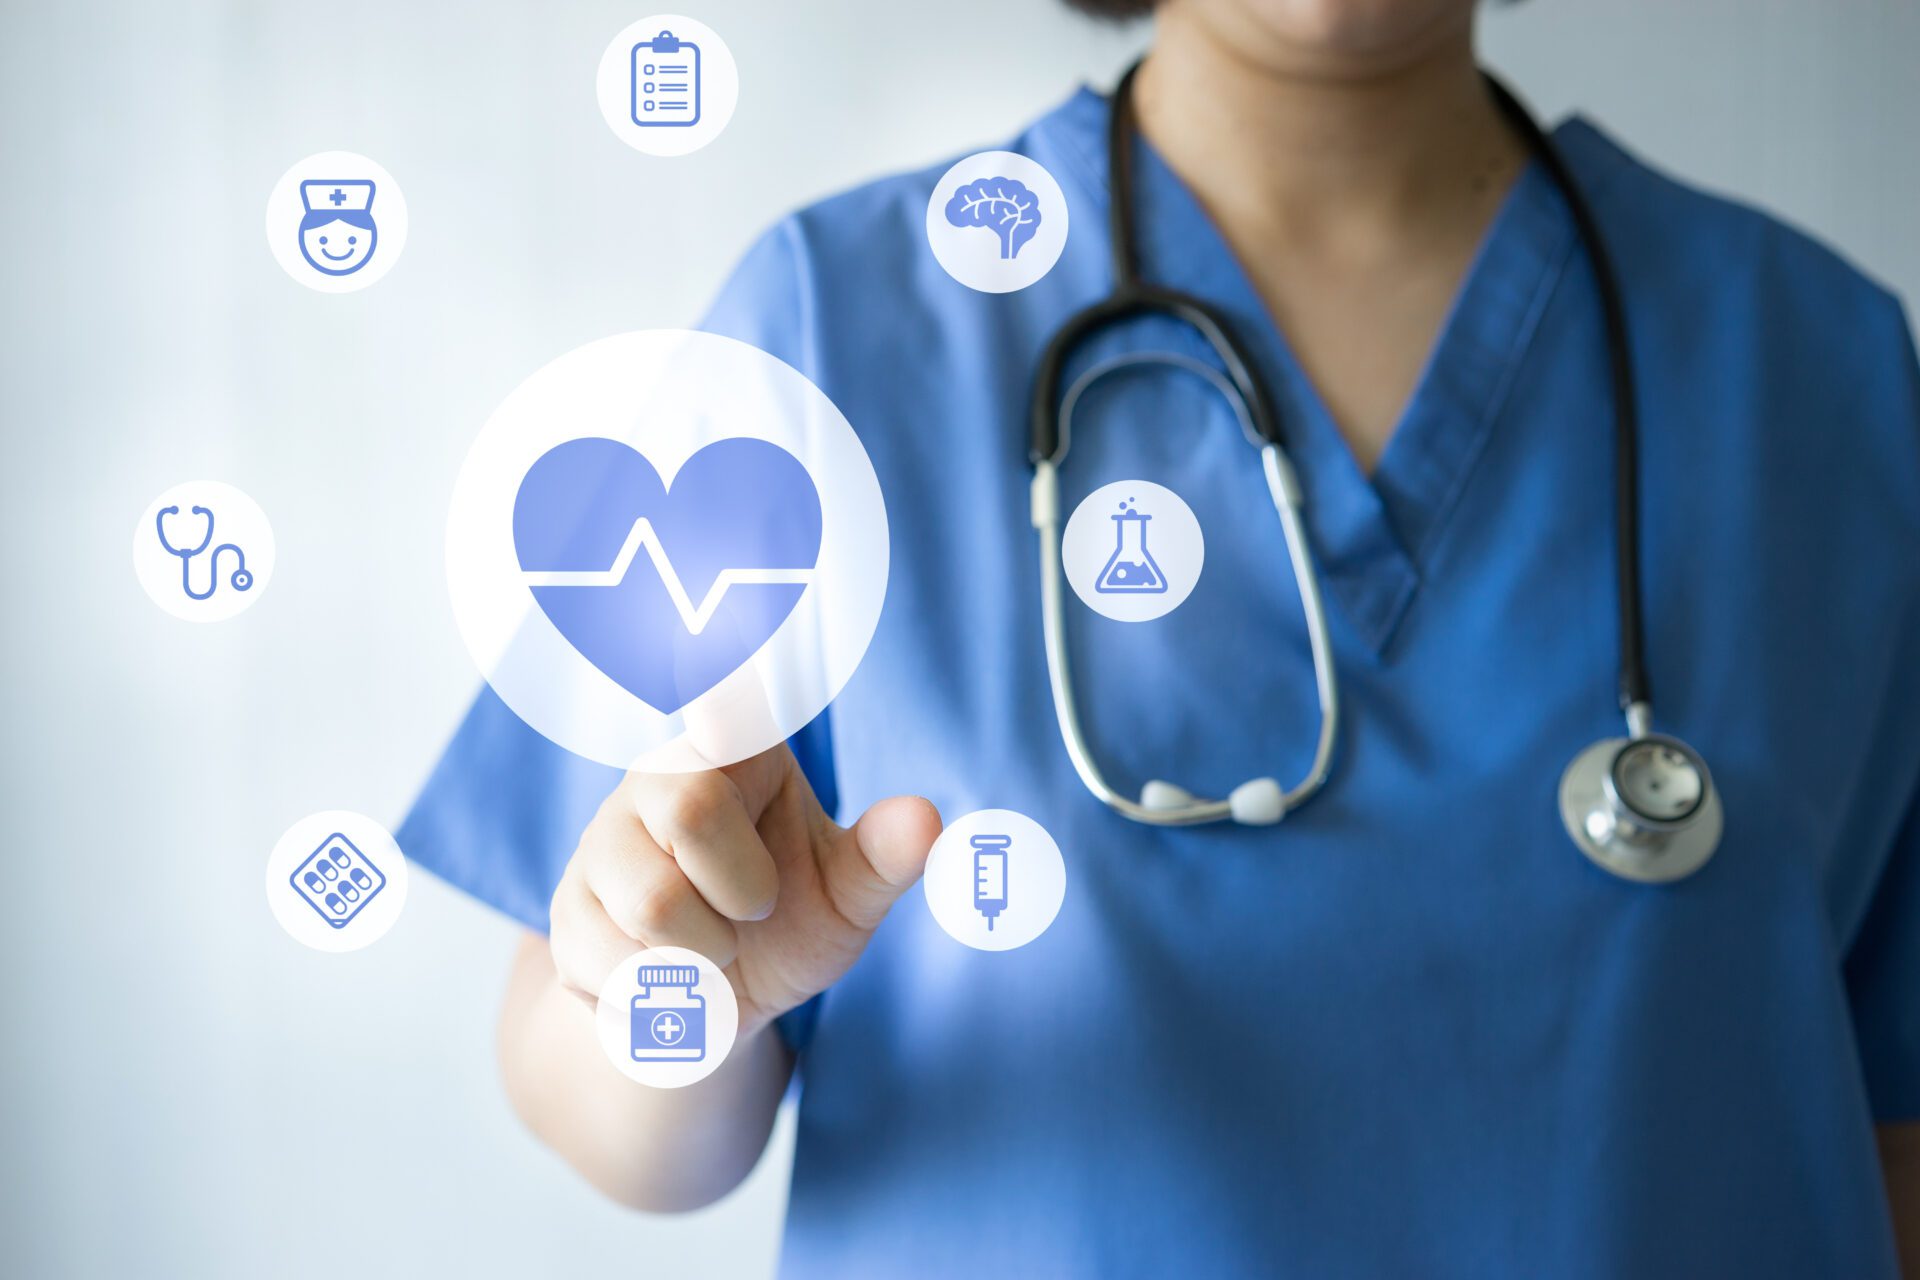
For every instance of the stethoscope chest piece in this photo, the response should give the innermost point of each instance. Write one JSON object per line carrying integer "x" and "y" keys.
{"x": 1643, "y": 808}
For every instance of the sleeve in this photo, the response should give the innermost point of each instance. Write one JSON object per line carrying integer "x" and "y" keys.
{"x": 1883, "y": 963}
{"x": 503, "y": 809}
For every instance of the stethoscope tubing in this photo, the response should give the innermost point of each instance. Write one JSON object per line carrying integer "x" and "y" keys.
{"x": 1288, "y": 499}
{"x": 1635, "y": 690}
{"x": 1050, "y": 438}
{"x": 1287, "y": 496}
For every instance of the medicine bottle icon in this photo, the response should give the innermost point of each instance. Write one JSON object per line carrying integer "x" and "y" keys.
{"x": 669, "y": 1018}
{"x": 1131, "y": 569}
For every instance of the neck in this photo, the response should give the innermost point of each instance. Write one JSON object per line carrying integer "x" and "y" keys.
{"x": 1337, "y": 154}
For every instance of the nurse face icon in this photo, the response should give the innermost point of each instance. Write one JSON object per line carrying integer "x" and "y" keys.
{"x": 337, "y": 232}
{"x": 321, "y": 222}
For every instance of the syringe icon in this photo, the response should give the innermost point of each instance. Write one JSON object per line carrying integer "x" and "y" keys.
{"x": 990, "y": 875}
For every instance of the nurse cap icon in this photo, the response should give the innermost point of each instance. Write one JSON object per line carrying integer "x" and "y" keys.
{"x": 337, "y": 232}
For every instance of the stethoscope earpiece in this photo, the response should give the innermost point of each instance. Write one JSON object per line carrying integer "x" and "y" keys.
{"x": 1642, "y": 807}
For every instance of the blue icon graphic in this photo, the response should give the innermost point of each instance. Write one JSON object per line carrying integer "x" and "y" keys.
{"x": 241, "y": 578}
{"x": 1003, "y": 205}
{"x": 337, "y": 880}
{"x": 669, "y": 1019}
{"x": 990, "y": 875}
{"x": 337, "y": 232}
{"x": 730, "y": 549}
{"x": 666, "y": 83}
{"x": 1131, "y": 569}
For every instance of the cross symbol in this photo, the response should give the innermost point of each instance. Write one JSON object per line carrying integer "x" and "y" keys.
{"x": 666, "y": 1028}
{"x": 338, "y": 197}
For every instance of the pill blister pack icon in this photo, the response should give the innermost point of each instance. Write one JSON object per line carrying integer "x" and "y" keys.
{"x": 337, "y": 880}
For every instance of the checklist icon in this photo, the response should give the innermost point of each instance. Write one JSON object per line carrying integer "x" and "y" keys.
{"x": 666, "y": 82}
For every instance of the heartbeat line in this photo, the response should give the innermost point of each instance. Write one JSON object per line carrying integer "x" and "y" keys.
{"x": 695, "y": 617}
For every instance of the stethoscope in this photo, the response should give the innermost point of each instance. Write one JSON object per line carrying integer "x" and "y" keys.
{"x": 1642, "y": 806}
{"x": 240, "y": 579}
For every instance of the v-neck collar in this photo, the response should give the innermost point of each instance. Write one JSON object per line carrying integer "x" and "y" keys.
{"x": 1371, "y": 536}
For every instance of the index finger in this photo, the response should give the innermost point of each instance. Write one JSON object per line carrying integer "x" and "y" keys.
{"x": 702, "y": 822}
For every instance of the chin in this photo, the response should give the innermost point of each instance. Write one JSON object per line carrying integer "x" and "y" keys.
{"x": 1365, "y": 31}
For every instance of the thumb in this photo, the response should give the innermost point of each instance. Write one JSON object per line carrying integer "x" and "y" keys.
{"x": 870, "y": 864}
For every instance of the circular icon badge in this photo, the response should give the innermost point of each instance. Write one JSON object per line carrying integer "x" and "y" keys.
{"x": 667, "y": 551}
{"x": 997, "y": 221}
{"x": 1132, "y": 550}
{"x": 995, "y": 880}
{"x": 336, "y": 881}
{"x": 336, "y": 222}
{"x": 203, "y": 551}
{"x": 667, "y": 85}
{"x": 667, "y": 1017}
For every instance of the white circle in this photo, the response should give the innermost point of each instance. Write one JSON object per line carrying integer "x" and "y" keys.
{"x": 667, "y": 85}
{"x": 668, "y": 696}
{"x": 233, "y": 545}
{"x": 660, "y": 1031}
{"x": 997, "y": 221}
{"x": 359, "y": 247}
{"x": 995, "y": 879}
{"x": 1100, "y": 550}
{"x": 336, "y": 881}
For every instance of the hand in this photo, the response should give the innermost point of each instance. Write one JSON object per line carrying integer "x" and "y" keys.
{"x": 743, "y": 866}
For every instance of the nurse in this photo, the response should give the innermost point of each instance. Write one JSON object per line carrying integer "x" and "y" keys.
{"x": 1409, "y": 1030}
{"x": 337, "y": 231}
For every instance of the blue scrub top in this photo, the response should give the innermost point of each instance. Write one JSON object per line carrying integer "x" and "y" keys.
{"x": 1410, "y": 1030}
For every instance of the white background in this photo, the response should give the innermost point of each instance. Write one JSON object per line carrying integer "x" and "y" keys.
{"x": 181, "y": 1084}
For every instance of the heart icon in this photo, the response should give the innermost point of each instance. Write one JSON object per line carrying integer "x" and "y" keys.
{"x": 667, "y": 590}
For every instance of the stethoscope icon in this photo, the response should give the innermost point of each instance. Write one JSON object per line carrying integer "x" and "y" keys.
{"x": 241, "y": 578}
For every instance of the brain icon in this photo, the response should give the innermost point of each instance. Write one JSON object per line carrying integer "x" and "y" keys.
{"x": 1002, "y": 205}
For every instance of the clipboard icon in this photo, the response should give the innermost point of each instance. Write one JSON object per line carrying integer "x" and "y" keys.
{"x": 666, "y": 83}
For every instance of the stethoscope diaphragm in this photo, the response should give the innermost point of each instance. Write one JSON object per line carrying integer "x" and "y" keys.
{"x": 1643, "y": 808}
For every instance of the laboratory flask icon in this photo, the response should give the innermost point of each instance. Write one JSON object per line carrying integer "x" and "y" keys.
{"x": 1132, "y": 551}
{"x": 1131, "y": 569}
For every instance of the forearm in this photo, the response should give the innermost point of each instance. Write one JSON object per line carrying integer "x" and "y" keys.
{"x": 661, "y": 1150}
{"x": 1900, "y": 1161}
